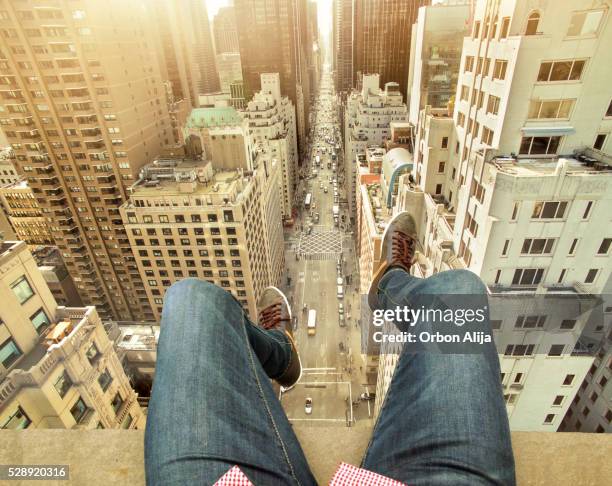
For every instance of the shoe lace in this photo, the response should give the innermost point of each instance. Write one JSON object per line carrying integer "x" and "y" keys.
{"x": 272, "y": 316}
{"x": 403, "y": 247}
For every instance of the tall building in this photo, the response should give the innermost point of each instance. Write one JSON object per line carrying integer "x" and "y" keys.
{"x": 507, "y": 189}
{"x": 273, "y": 39}
{"x": 367, "y": 122}
{"x": 58, "y": 366}
{"x": 185, "y": 47}
{"x": 59, "y": 281}
{"x": 230, "y": 70}
{"x": 272, "y": 131}
{"x": 25, "y": 214}
{"x": 437, "y": 38}
{"x": 225, "y": 32}
{"x": 8, "y": 173}
{"x": 381, "y": 39}
{"x": 81, "y": 108}
{"x": 342, "y": 45}
{"x": 193, "y": 218}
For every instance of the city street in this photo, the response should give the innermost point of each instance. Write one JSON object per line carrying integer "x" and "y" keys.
{"x": 319, "y": 250}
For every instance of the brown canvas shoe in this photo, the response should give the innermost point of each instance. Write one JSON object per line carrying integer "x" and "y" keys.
{"x": 274, "y": 313}
{"x": 398, "y": 246}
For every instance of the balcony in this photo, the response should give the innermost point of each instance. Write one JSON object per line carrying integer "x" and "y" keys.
{"x": 101, "y": 457}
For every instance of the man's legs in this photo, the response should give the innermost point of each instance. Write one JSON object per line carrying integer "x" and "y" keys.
{"x": 212, "y": 405}
{"x": 443, "y": 420}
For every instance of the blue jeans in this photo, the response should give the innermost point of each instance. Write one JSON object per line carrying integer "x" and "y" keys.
{"x": 443, "y": 420}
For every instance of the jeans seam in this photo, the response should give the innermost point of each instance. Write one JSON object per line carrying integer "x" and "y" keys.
{"x": 266, "y": 404}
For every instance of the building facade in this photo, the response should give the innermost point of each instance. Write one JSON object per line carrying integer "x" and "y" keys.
{"x": 381, "y": 39}
{"x": 86, "y": 110}
{"x": 367, "y": 122}
{"x": 225, "y": 32}
{"x": 272, "y": 132}
{"x": 25, "y": 214}
{"x": 58, "y": 367}
{"x": 187, "y": 218}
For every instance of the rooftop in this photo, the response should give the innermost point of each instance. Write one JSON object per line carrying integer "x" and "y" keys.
{"x": 536, "y": 167}
{"x": 213, "y": 117}
{"x": 180, "y": 176}
{"x": 543, "y": 459}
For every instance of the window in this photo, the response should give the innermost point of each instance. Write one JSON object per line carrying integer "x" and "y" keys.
{"x": 92, "y": 354}
{"x": 519, "y": 350}
{"x": 605, "y": 246}
{"x": 499, "y": 69}
{"x": 465, "y": 93}
{"x": 505, "y": 248}
{"x": 22, "y": 290}
{"x": 562, "y": 275}
{"x": 539, "y": 145}
{"x": 549, "y": 210}
{"x": 561, "y": 70}
{"x": 476, "y": 31}
{"x": 532, "y": 24}
{"x": 105, "y": 379}
{"x": 537, "y": 246}
{"x": 469, "y": 63}
{"x": 444, "y": 142}
{"x": 550, "y": 109}
{"x": 438, "y": 188}
{"x": 600, "y": 141}
{"x": 441, "y": 166}
{"x": 496, "y": 324}
{"x": 558, "y": 401}
{"x": 530, "y": 322}
{"x": 18, "y": 421}
{"x": 587, "y": 210}
{"x": 79, "y": 410}
{"x": 63, "y": 384}
{"x": 9, "y": 352}
{"x": 569, "y": 379}
{"x": 493, "y": 105}
{"x": 568, "y": 324}
{"x": 117, "y": 402}
{"x": 585, "y": 23}
{"x": 487, "y": 136}
{"x": 40, "y": 321}
{"x": 556, "y": 350}
{"x": 591, "y": 275}
{"x": 549, "y": 418}
{"x": 505, "y": 27}
{"x": 527, "y": 276}
{"x": 573, "y": 246}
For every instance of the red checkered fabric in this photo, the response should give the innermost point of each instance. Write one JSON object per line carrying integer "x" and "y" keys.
{"x": 346, "y": 475}
{"x": 234, "y": 477}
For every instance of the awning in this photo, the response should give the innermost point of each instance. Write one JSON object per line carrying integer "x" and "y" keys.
{"x": 547, "y": 131}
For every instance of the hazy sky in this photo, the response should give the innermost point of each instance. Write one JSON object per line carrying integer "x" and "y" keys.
{"x": 324, "y": 12}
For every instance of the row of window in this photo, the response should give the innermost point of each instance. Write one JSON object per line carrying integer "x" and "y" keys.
{"x": 228, "y": 217}
{"x": 545, "y": 246}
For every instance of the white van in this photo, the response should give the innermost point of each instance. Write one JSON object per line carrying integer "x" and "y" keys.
{"x": 312, "y": 322}
{"x": 340, "y": 293}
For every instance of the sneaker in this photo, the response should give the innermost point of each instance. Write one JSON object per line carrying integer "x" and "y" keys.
{"x": 397, "y": 249}
{"x": 274, "y": 313}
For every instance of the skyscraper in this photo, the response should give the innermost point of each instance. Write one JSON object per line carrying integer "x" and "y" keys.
{"x": 225, "y": 32}
{"x": 272, "y": 38}
{"x": 382, "y": 37}
{"x": 83, "y": 107}
{"x": 185, "y": 48}
{"x": 342, "y": 44}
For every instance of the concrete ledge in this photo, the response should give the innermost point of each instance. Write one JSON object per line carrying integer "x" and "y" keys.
{"x": 104, "y": 457}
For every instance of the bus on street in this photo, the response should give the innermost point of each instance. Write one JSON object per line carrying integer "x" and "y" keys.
{"x": 312, "y": 322}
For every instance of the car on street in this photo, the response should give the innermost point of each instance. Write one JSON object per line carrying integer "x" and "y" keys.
{"x": 341, "y": 310}
{"x": 308, "y": 406}
{"x": 325, "y": 189}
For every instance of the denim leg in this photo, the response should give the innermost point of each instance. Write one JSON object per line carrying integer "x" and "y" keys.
{"x": 443, "y": 420}
{"x": 213, "y": 405}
